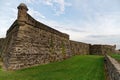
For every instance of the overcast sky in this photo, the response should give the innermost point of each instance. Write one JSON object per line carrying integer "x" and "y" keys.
{"x": 90, "y": 21}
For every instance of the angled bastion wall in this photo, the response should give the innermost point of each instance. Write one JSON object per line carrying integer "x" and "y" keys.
{"x": 29, "y": 43}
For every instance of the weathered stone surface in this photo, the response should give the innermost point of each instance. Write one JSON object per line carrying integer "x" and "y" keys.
{"x": 30, "y": 43}
{"x": 113, "y": 68}
{"x": 78, "y": 48}
{"x": 102, "y": 49}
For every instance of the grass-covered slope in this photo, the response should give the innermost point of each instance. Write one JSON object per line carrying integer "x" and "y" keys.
{"x": 76, "y": 68}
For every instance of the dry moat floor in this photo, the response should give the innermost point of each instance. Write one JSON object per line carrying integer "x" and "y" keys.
{"x": 76, "y": 68}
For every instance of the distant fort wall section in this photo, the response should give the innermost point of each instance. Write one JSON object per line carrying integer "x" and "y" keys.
{"x": 102, "y": 49}
{"x": 79, "y": 48}
{"x": 29, "y": 43}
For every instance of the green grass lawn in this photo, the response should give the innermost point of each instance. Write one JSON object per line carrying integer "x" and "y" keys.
{"x": 116, "y": 56}
{"x": 76, "y": 68}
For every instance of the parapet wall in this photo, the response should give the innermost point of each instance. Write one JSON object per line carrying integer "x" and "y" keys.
{"x": 113, "y": 68}
{"x": 31, "y": 21}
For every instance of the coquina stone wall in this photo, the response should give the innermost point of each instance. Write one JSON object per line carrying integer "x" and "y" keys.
{"x": 113, "y": 68}
{"x": 30, "y": 43}
{"x": 9, "y": 46}
{"x": 102, "y": 49}
{"x": 78, "y": 48}
{"x": 108, "y": 49}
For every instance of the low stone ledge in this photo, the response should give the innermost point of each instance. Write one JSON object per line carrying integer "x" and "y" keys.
{"x": 113, "y": 68}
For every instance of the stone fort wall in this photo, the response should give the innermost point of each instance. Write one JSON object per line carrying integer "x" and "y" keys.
{"x": 79, "y": 48}
{"x": 9, "y": 46}
{"x": 29, "y": 43}
{"x": 102, "y": 49}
